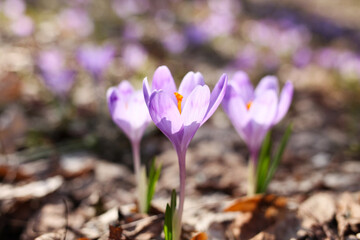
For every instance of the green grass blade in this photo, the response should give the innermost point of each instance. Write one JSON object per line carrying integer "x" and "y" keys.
{"x": 173, "y": 200}
{"x": 168, "y": 223}
{"x": 263, "y": 163}
{"x": 169, "y": 215}
{"x": 263, "y": 169}
{"x": 280, "y": 151}
{"x": 154, "y": 175}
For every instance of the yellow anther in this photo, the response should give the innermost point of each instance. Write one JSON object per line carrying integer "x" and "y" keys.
{"x": 248, "y": 105}
{"x": 179, "y": 99}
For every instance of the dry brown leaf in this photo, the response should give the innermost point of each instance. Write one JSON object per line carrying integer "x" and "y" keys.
{"x": 200, "y": 236}
{"x": 348, "y": 213}
{"x": 250, "y": 204}
{"x": 31, "y": 190}
{"x": 319, "y": 208}
{"x": 115, "y": 233}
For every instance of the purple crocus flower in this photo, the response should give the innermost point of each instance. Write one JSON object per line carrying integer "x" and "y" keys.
{"x": 22, "y": 26}
{"x": 96, "y": 59}
{"x": 76, "y": 21}
{"x": 180, "y": 113}
{"x": 134, "y": 55}
{"x": 128, "y": 110}
{"x": 14, "y": 8}
{"x": 56, "y": 77}
{"x": 254, "y": 112}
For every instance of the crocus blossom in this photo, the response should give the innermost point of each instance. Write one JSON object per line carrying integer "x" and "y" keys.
{"x": 134, "y": 55}
{"x": 56, "y": 76}
{"x": 14, "y": 9}
{"x": 179, "y": 113}
{"x": 76, "y": 22}
{"x": 22, "y": 26}
{"x": 254, "y": 112}
{"x": 96, "y": 59}
{"x": 128, "y": 110}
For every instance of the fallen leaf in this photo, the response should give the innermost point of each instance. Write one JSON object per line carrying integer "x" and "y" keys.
{"x": 200, "y": 236}
{"x": 319, "y": 208}
{"x": 31, "y": 190}
{"x": 115, "y": 233}
{"x": 250, "y": 204}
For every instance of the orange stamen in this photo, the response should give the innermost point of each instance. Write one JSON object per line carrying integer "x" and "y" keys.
{"x": 179, "y": 99}
{"x": 248, "y": 105}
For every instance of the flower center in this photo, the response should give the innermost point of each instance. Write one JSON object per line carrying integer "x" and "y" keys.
{"x": 248, "y": 105}
{"x": 179, "y": 99}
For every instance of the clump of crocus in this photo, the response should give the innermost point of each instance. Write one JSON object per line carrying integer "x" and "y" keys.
{"x": 128, "y": 110}
{"x": 253, "y": 113}
{"x": 96, "y": 59}
{"x": 57, "y": 77}
{"x": 179, "y": 113}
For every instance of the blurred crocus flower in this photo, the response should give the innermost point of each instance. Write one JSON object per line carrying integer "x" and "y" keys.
{"x": 96, "y": 59}
{"x": 134, "y": 55}
{"x": 22, "y": 26}
{"x": 302, "y": 57}
{"x": 180, "y": 113}
{"x": 128, "y": 8}
{"x": 76, "y": 21}
{"x": 14, "y": 8}
{"x": 56, "y": 77}
{"x": 174, "y": 42}
{"x": 128, "y": 110}
{"x": 254, "y": 112}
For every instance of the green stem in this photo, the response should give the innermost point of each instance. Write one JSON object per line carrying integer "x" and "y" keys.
{"x": 252, "y": 178}
{"x": 178, "y": 215}
{"x": 139, "y": 176}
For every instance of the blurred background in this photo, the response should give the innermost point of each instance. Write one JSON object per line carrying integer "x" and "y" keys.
{"x": 57, "y": 58}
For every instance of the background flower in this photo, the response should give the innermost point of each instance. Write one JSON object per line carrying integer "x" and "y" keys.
{"x": 254, "y": 112}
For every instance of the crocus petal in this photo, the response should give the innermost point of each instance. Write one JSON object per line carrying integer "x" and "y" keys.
{"x": 285, "y": 101}
{"x": 255, "y": 134}
{"x": 216, "y": 97}
{"x": 119, "y": 114}
{"x": 189, "y": 82}
{"x": 165, "y": 114}
{"x": 264, "y": 108}
{"x": 137, "y": 114}
{"x": 125, "y": 126}
{"x": 239, "y": 116}
{"x": 243, "y": 86}
{"x": 262, "y": 113}
{"x": 163, "y": 79}
{"x": 146, "y": 90}
{"x": 111, "y": 96}
{"x": 235, "y": 108}
{"x": 267, "y": 83}
{"x": 125, "y": 88}
{"x": 194, "y": 111}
